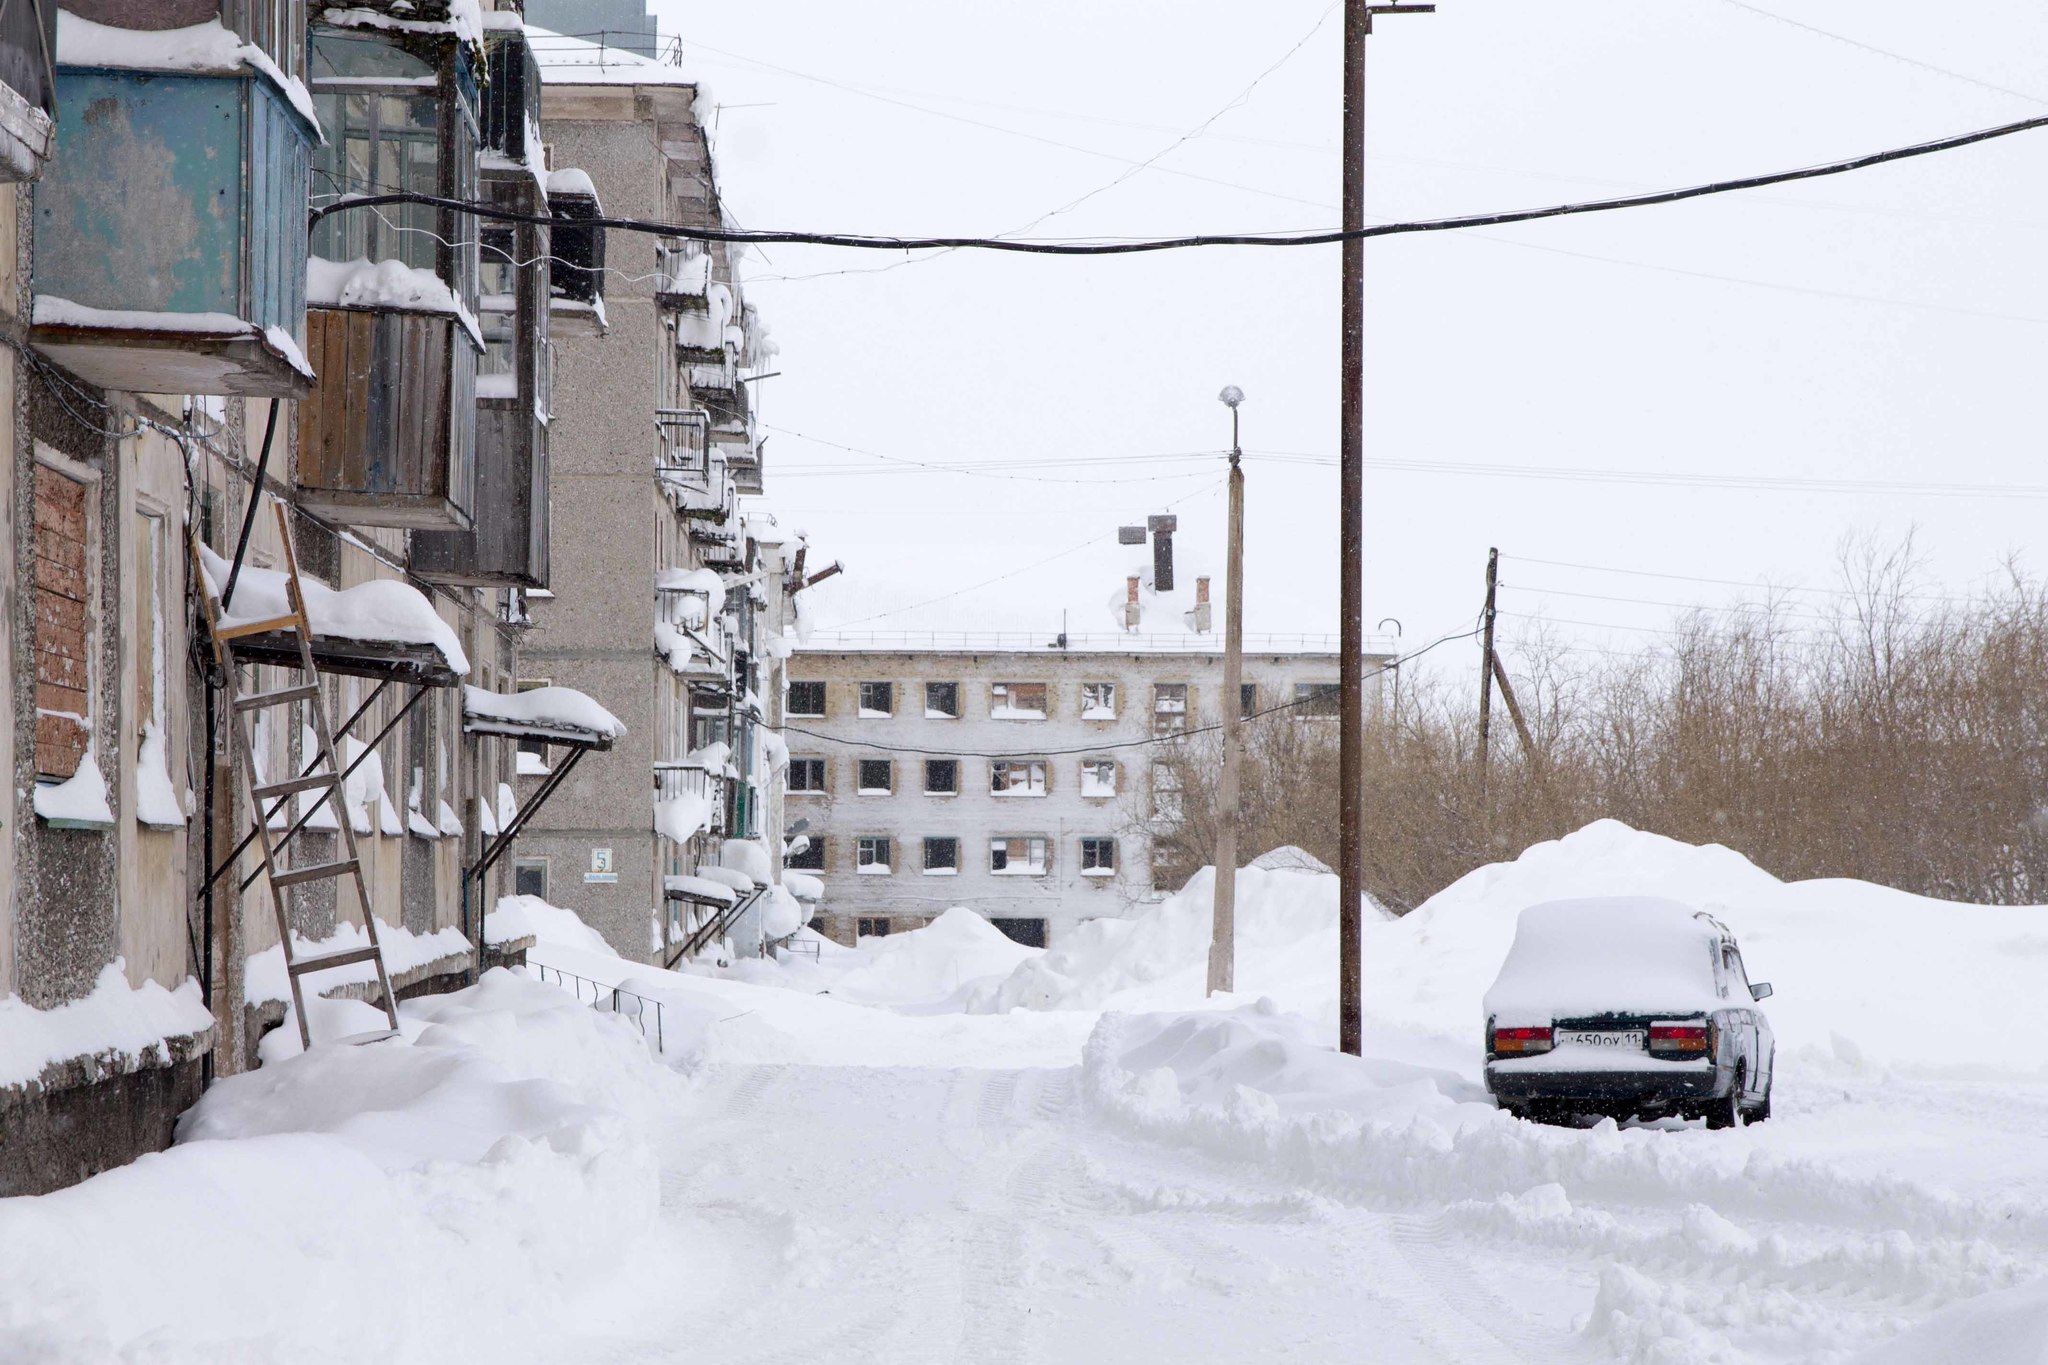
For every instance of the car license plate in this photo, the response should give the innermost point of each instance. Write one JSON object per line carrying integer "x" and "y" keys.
{"x": 1621, "y": 1040}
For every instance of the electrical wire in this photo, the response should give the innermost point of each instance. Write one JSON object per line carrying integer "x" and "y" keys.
{"x": 1887, "y": 53}
{"x": 860, "y": 241}
{"x": 1387, "y": 667}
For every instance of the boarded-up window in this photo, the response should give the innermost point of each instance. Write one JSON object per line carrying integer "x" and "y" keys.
{"x": 63, "y": 623}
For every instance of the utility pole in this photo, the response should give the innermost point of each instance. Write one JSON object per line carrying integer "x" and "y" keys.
{"x": 1358, "y": 15}
{"x": 1487, "y": 666}
{"x": 1223, "y": 929}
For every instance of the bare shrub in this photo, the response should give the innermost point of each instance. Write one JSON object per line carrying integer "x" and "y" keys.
{"x": 1899, "y": 737}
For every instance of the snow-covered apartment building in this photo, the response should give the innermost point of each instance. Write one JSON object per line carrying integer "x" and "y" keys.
{"x": 1014, "y": 774}
{"x": 207, "y": 400}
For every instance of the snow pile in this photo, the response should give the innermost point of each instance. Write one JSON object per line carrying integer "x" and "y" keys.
{"x": 558, "y": 707}
{"x": 363, "y": 283}
{"x": 682, "y": 818}
{"x": 781, "y": 915}
{"x": 1158, "y": 959}
{"x": 508, "y": 921}
{"x": 403, "y": 1179}
{"x": 933, "y": 964}
{"x": 1837, "y": 952}
{"x": 553, "y": 926}
{"x": 121, "y": 1027}
{"x": 382, "y": 609}
{"x": 403, "y": 951}
{"x": 699, "y": 889}
{"x": 803, "y": 885}
{"x": 705, "y": 581}
{"x": 157, "y": 802}
{"x": 80, "y": 800}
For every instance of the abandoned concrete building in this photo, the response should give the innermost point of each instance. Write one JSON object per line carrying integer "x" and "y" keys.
{"x": 1013, "y": 775}
{"x": 280, "y": 527}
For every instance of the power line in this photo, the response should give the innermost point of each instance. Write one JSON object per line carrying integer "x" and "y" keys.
{"x": 862, "y": 241}
{"x": 1887, "y": 53}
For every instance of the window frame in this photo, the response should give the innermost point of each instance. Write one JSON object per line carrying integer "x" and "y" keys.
{"x": 929, "y": 789}
{"x": 540, "y": 864}
{"x": 1115, "y": 778}
{"x": 860, "y": 777}
{"x": 949, "y": 842}
{"x": 1171, "y": 720}
{"x": 1247, "y": 700}
{"x": 808, "y": 763}
{"x": 1108, "y": 690}
{"x": 1319, "y": 698}
{"x": 999, "y": 843}
{"x": 932, "y": 712}
{"x": 1001, "y": 697}
{"x": 867, "y": 712}
{"x": 1092, "y": 847}
{"x": 812, "y": 859}
{"x": 789, "y": 699}
{"x": 1039, "y": 767}
{"x": 874, "y": 855}
{"x": 56, "y": 465}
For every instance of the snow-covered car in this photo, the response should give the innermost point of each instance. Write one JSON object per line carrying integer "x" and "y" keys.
{"x": 1631, "y": 1007}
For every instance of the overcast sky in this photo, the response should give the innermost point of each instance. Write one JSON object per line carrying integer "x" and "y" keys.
{"x": 1882, "y": 326}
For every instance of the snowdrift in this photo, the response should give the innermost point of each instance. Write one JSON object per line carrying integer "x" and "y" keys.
{"x": 413, "y": 1176}
{"x": 1865, "y": 976}
{"x": 1159, "y": 958}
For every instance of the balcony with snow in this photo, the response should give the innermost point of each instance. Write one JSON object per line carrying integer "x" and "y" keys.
{"x": 171, "y": 223}
{"x": 28, "y": 98}
{"x": 690, "y": 631}
{"x": 382, "y": 629}
{"x": 577, "y": 285}
{"x": 507, "y": 544}
{"x": 387, "y": 436}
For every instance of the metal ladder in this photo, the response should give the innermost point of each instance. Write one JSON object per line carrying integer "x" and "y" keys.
{"x": 245, "y": 706}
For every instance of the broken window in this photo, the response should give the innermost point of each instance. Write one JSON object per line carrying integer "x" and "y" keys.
{"x": 1018, "y": 855}
{"x": 1169, "y": 708}
{"x": 877, "y": 699}
{"x": 1098, "y": 701}
{"x": 1098, "y": 856}
{"x": 871, "y": 855}
{"x": 1016, "y": 701}
{"x": 64, "y": 633}
{"x": 941, "y": 776}
{"x": 942, "y": 855}
{"x": 1317, "y": 699}
{"x": 942, "y": 701}
{"x": 1166, "y": 793}
{"x": 1098, "y": 777}
{"x": 1017, "y": 777}
{"x": 877, "y": 777}
{"x": 1248, "y": 700}
{"x": 807, "y": 854}
{"x": 806, "y": 775}
{"x": 807, "y": 699}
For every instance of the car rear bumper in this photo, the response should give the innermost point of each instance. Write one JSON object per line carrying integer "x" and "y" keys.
{"x": 1666, "y": 1085}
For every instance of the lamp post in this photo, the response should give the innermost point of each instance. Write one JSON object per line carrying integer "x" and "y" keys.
{"x": 1223, "y": 930}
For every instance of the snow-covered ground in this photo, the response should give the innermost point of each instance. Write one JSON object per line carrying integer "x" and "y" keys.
{"x": 944, "y": 1147}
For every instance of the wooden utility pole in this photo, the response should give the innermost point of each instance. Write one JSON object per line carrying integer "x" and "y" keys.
{"x": 1358, "y": 17}
{"x": 1487, "y": 665}
{"x": 1223, "y": 930}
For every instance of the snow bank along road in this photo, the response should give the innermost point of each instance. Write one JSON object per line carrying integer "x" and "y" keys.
{"x": 968, "y": 1151}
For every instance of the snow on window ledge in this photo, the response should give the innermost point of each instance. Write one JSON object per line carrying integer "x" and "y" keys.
{"x": 875, "y": 870}
{"x": 1098, "y": 872}
{"x": 869, "y": 713}
{"x": 942, "y": 872}
{"x": 1015, "y": 713}
{"x": 874, "y": 791}
{"x": 79, "y": 802}
{"x": 1098, "y": 713}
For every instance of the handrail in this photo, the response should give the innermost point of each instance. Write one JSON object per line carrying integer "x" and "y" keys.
{"x": 598, "y": 992}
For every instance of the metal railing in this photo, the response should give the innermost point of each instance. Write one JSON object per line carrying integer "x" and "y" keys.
{"x": 682, "y": 445}
{"x": 672, "y": 781}
{"x": 611, "y": 998}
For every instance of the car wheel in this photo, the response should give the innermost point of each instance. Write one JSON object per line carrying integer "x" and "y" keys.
{"x": 1726, "y": 1112}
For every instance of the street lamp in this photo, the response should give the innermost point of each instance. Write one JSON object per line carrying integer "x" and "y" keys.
{"x": 1223, "y": 928}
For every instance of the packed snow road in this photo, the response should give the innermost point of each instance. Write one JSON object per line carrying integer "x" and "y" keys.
{"x": 950, "y": 1215}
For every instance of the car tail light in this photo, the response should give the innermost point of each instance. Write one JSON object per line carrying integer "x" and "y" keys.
{"x": 1681, "y": 1040}
{"x": 1512, "y": 1041}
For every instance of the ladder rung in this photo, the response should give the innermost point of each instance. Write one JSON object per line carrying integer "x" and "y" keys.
{"x": 320, "y": 962}
{"x": 293, "y": 876}
{"x": 236, "y": 632}
{"x": 282, "y": 696}
{"x": 296, "y": 784}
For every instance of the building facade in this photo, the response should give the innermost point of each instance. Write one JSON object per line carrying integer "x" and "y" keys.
{"x": 666, "y": 595}
{"x": 199, "y": 392}
{"x": 1015, "y": 781}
